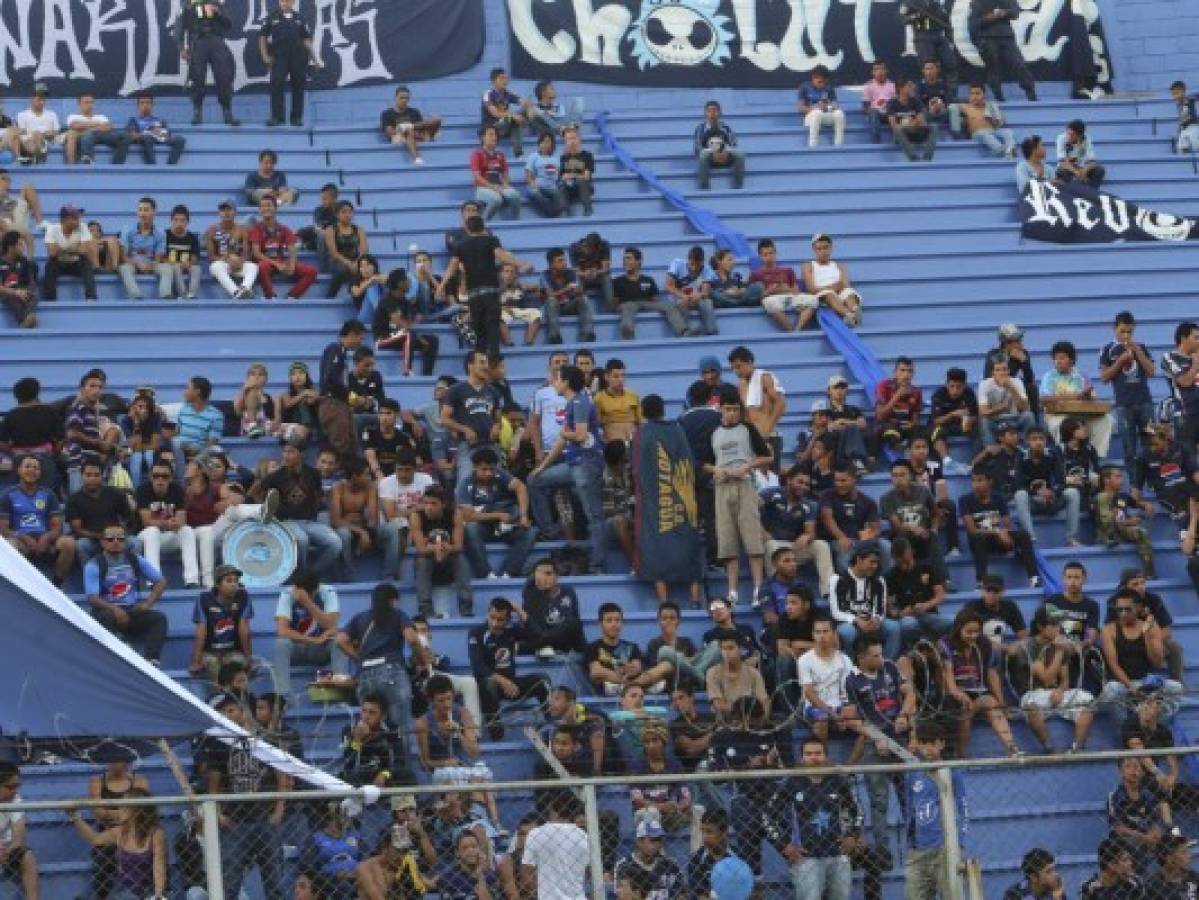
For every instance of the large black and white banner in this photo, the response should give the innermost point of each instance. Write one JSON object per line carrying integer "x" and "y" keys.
{"x": 774, "y": 43}
{"x": 1076, "y": 214}
{"x": 117, "y": 47}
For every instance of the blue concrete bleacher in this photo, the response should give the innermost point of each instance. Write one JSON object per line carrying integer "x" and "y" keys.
{"x": 934, "y": 250}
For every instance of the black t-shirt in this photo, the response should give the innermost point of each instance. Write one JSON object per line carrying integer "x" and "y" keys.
{"x": 31, "y": 426}
{"x": 746, "y": 640}
{"x": 1160, "y": 889}
{"x": 386, "y": 448}
{"x": 1157, "y": 738}
{"x": 108, "y": 507}
{"x": 1008, "y": 613}
{"x": 241, "y": 773}
{"x": 18, "y": 274}
{"x": 390, "y": 118}
{"x": 683, "y": 645}
{"x": 300, "y": 495}
{"x": 942, "y": 404}
{"x": 1075, "y": 618}
{"x": 370, "y": 386}
{"x": 788, "y": 629}
{"x": 474, "y": 409}
{"x": 375, "y": 642}
{"x": 609, "y": 655}
{"x": 574, "y": 164}
{"x": 476, "y": 252}
{"x": 632, "y": 290}
{"x": 161, "y": 507}
{"x": 988, "y": 515}
{"x": 907, "y": 588}
{"x": 183, "y": 248}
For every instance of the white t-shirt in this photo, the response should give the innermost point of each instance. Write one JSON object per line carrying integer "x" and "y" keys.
{"x": 404, "y": 494}
{"x": 561, "y": 854}
{"x": 71, "y": 244}
{"x": 90, "y": 121}
{"x": 550, "y": 406}
{"x": 28, "y": 120}
{"x": 991, "y": 394}
{"x": 7, "y": 821}
{"x": 827, "y": 676}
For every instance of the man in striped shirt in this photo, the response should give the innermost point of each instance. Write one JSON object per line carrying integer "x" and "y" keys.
{"x": 199, "y": 423}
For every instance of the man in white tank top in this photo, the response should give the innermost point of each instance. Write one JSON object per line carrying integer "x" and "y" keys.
{"x": 827, "y": 282}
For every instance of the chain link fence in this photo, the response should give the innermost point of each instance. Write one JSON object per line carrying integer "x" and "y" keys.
{"x": 783, "y": 828}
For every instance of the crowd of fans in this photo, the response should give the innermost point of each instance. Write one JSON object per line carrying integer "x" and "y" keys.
{"x": 843, "y": 636}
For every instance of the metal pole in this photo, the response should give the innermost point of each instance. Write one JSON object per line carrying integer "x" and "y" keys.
{"x": 591, "y": 810}
{"x": 212, "y": 848}
{"x": 949, "y": 824}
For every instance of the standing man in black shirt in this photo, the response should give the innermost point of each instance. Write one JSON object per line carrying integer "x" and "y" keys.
{"x": 200, "y": 33}
{"x": 334, "y": 412}
{"x": 471, "y": 413}
{"x": 285, "y": 42}
{"x": 479, "y": 256}
{"x": 991, "y": 24}
{"x": 931, "y": 32}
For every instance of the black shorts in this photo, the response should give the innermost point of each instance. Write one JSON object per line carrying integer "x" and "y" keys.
{"x": 11, "y": 867}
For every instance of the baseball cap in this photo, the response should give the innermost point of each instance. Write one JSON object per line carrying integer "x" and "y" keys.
{"x": 650, "y": 828}
{"x": 69, "y": 209}
{"x": 41, "y": 89}
{"x": 708, "y": 363}
{"x": 225, "y": 569}
{"x": 403, "y": 801}
{"x": 835, "y": 380}
{"x": 1006, "y": 426}
{"x": 227, "y": 203}
{"x": 820, "y": 236}
{"x": 1010, "y": 331}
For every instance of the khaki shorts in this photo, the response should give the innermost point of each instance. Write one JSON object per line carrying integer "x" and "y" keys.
{"x": 523, "y": 314}
{"x": 738, "y": 519}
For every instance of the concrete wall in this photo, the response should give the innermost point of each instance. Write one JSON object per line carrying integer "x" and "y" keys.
{"x": 1153, "y": 42}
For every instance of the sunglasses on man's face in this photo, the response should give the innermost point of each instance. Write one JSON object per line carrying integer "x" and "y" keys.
{"x": 114, "y": 537}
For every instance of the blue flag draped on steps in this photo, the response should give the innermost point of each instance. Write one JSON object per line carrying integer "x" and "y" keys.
{"x": 666, "y": 518}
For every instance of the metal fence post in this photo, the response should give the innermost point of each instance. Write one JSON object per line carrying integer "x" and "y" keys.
{"x": 949, "y": 825}
{"x": 212, "y": 848}
{"x": 591, "y": 811}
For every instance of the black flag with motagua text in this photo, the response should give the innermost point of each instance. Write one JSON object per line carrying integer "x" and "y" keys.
{"x": 666, "y": 516}
{"x": 1073, "y": 213}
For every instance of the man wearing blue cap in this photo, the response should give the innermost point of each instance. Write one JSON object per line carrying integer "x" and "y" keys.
{"x": 648, "y": 872}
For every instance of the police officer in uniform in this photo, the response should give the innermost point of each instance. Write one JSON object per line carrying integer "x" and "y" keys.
{"x": 285, "y": 43}
{"x": 931, "y": 31}
{"x": 201, "y": 36}
{"x": 991, "y": 27}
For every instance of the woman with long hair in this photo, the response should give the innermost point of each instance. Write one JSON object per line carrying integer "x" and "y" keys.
{"x": 200, "y": 502}
{"x": 140, "y": 850}
{"x": 142, "y": 428}
{"x": 295, "y": 413}
{"x": 254, "y": 404}
{"x": 971, "y": 677}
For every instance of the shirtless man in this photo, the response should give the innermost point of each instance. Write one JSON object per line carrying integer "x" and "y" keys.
{"x": 353, "y": 508}
{"x": 761, "y": 395}
{"x": 391, "y": 870}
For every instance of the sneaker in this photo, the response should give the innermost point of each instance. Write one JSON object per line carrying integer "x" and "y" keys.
{"x": 418, "y": 161}
{"x": 492, "y": 576}
{"x": 1014, "y": 752}
{"x": 270, "y": 505}
{"x": 547, "y": 653}
{"x": 953, "y": 554}
{"x": 732, "y": 598}
{"x": 1034, "y": 581}
{"x": 86, "y": 161}
{"x": 29, "y": 321}
{"x": 243, "y": 293}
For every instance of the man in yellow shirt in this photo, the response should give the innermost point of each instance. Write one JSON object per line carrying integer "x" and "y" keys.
{"x": 619, "y": 409}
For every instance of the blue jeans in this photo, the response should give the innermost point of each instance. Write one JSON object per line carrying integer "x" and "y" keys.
{"x": 1132, "y": 420}
{"x": 751, "y": 295}
{"x": 586, "y": 480}
{"x": 390, "y": 681}
{"x": 912, "y": 628}
{"x": 370, "y": 300}
{"x": 140, "y": 463}
{"x": 1026, "y": 505}
{"x": 889, "y": 631}
{"x": 547, "y": 200}
{"x": 247, "y": 844}
{"x": 519, "y": 540}
{"x": 390, "y": 535}
{"x": 987, "y": 426}
{"x": 288, "y": 653}
{"x": 492, "y": 199}
{"x": 696, "y": 667}
{"x": 707, "y": 315}
{"x": 736, "y": 162}
{"x": 318, "y": 537}
{"x": 999, "y": 141}
{"x": 817, "y": 877}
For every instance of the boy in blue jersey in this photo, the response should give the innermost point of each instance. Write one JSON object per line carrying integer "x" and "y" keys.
{"x": 926, "y": 872}
{"x": 31, "y": 520}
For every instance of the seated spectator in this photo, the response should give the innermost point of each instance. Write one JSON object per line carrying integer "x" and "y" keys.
{"x": 505, "y": 111}
{"x": 1003, "y": 623}
{"x": 1041, "y": 878}
{"x": 437, "y": 530}
{"x": 877, "y": 95}
{"x": 915, "y": 592}
{"x": 972, "y": 680}
{"x": 330, "y": 857}
{"x": 983, "y": 122}
{"x": 781, "y": 290}
{"x": 489, "y": 168}
{"x": 612, "y": 662}
{"x": 516, "y": 306}
{"x": 143, "y": 251}
{"x": 688, "y": 282}
{"x": 1079, "y": 458}
{"x": 324, "y": 215}
{"x": 732, "y": 678}
{"x": 849, "y": 518}
{"x": 789, "y": 516}
{"x": 1078, "y": 613}
{"x": 1011, "y": 346}
{"x": 346, "y": 242}
{"x": 897, "y": 405}
{"x": 398, "y": 321}
{"x": 18, "y": 281}
{"x": 87, "y": 128}
{"x": 181, "y": 253}
{"x": 398, "y": 865}
{"x": 143, "y": 438}
{"x": 591, "y": 257}
{"x": 1133, "y": 579}
{"x": 576, "y": 171}
{"x": 274, "y": 249}
{"x": 660, "y": 673}
{"x": 146, "y": 129}
{"x": 737, "y": 449}
{"x": 551, "y": 613}
{"x": 371, "y": 748}
{"x": 297, "y": 407}
{"x": 470, "y": 872}
{"x": 1134, "y": 653}
{"x": 542, "y": 173}
{"x": 564, "y": 294}
{"x": 1187, "y": 140}
{"x": 953, "y": 412}
{"x": 635, "y": 292}
{"x": 670, "y": 802}
{"x": 727, "y": 288}
{"x": 1167, "y": 471}
{"x": 495, "y": 508}
{"x": 1138, "y": 814}
{"x": 1115, "y": 877}
{"x": 306, "y": 617}
{"x": 228, "y": 245}
{"x": 298, "y": 503}
{"x": 198, "y": 424}
{"x": 858, "y": 601}
{"x": 1002, "y": 400}
{"x": 1065, "y": 383}
{"x": 548, "y": 115}
{"x": 95, "y": 507}
{"x": 493, "y": 660}
{"x": 716, "y": 147}
{"x": 1032, "y": 166}
{"x": 354, "y": 512}
{"x": 268, "y": 181}
{"x": 37, "y": 128}
{"x": 222, "y": 617}
{"x": 367, "y": 287}
{"x": 404, "y": 125}
{"x": 1118, "y": 519}
{"x": 447, "y": 738}
{"x": 912, "y": 131}
{"x": 818, "y": 107}
{"x": 31, "y": 520}
{"x": 1041, "y": 487}
{"x": 1076, "y": 156}
{"x": 163, "y": 520}
{"x": 937, "y": 94}
{"x": 789, "y": 638}
{"x": 989, "y": 528}
{"x": 822, "y": 674}
{"x": 826, "y": 282}
{"x": 113, "y": 583}
{"x": 1050, "y": 691}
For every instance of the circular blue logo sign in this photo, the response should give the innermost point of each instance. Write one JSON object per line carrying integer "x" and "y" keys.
{"x": 265, "y": 552}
